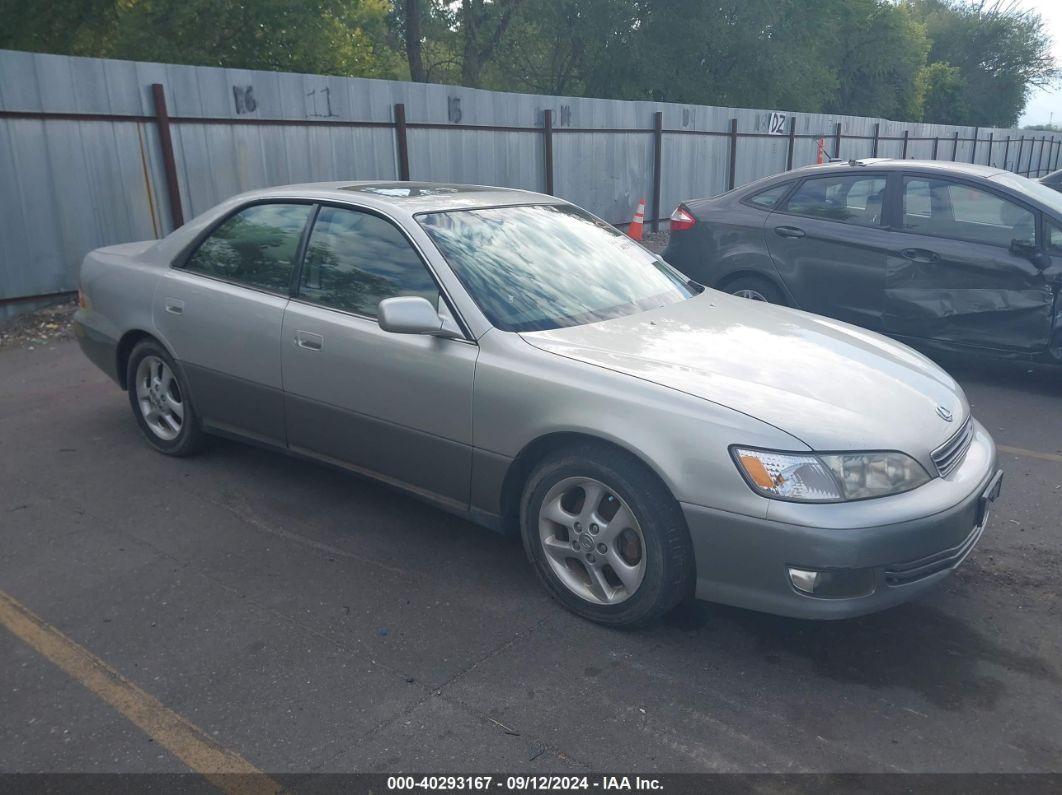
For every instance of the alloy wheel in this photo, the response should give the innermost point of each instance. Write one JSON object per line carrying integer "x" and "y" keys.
{"x": 592, "y": 540}
{"x": 159, "y": 397}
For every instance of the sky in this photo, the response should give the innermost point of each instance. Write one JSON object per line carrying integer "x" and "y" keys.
{"x": 1044, "y": 102}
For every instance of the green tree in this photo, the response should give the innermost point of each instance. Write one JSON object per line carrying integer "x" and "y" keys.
{"x": 1000, "y": 50}
{"x": 943, "y": 93}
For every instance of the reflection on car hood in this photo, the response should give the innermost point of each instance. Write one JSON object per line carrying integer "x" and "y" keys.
{"x": 833, "y": 386}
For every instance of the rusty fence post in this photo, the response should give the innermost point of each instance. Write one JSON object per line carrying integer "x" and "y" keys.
{"x": 658, "y": 165}
{"x": 547, "y": 141}
{"x": 401, "y": 142}
{"x": 733, "y": 155}
{"x": 169, "y": 163}
{"x": 792, "y": 143}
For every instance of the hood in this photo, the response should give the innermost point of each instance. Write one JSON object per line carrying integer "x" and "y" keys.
{"x": 831, "y": 385}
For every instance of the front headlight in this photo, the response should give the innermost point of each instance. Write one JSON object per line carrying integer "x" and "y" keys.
{"x": 828, "y": 477}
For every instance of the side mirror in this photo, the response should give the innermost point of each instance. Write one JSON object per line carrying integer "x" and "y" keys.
{"x": 1038, "y": 257}
{"x": 414, "y": 315}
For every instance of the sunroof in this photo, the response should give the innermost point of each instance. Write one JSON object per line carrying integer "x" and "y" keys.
{"x": 403, "y": 190}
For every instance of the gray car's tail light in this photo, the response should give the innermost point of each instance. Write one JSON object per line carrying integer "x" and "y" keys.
{"x": 949, "y": 455}
{"x": 682, "y": 219}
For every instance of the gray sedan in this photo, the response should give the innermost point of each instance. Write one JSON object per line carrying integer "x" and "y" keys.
{"x": 515, "y": 360}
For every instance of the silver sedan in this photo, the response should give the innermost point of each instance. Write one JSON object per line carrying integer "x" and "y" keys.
{"x": 513, "y": 359}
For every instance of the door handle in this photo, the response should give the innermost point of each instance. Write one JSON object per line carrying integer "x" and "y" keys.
{"x": 920, "y": 255}
{"x": 174, "y": 306}
{"x": 309, "y": 340}
{"x": 788, "y": 231}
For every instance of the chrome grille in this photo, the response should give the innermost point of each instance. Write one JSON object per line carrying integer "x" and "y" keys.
{"x": 950, "y": 454}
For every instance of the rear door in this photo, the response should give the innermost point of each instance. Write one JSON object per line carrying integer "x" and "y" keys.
{"x": 961, "y": 269}
{"x": 829, "y": 243}
{"x": 398, "y": 406}
{"x": 221, "y": 311}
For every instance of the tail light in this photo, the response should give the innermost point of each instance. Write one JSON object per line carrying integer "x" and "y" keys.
{"x": 682, "y": 219}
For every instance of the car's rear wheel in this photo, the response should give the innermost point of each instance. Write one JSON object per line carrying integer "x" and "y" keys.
{"x": 161, "y": 401}
{"x": 755, "y": 289}
{"x": 605, "y": 537}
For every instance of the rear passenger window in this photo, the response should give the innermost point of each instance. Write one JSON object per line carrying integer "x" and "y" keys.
{"x": 770, "y": 197}
{"x": 951, "y": 209}
{"x": 255, "y": 247}
{"x": 852, "y": 199}
{"x": 354, "y": 260}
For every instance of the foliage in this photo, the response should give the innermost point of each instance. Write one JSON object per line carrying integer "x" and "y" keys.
{"x": 970, "y": 62}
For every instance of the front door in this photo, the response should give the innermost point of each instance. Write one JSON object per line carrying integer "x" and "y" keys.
{"x": 398, "y": 406}
{"x": 829, "y": 245}
{"x": 221, "y": 313}
{"x": 961, "y": 270}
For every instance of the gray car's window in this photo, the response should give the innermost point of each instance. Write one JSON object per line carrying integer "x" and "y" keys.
{"x": 770, "y": 197}
{"x": 540, "y": 267}
{"x": 942, "y": 208}
{"x": 256, "y": 247}
{"x": 354, "y": 260}
{"x": 851, "y": 199}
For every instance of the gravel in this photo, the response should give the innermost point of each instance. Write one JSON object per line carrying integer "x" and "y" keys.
{"x": 37, "y": 329}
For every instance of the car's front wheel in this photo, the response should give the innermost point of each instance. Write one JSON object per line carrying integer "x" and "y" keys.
{"x": 161, "y": 401}
{"x": 754, "y": 289}
{"x": 605, "y": 537}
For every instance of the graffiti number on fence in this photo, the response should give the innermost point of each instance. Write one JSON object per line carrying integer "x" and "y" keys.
{"x": 244, "y": 96}
{"x": 319, "y": 104}
{"x": 453, "y": 109}
{"x": 776, "y": 124}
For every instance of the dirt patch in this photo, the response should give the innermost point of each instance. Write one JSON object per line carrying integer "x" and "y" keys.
{"x": 37, "y": 329}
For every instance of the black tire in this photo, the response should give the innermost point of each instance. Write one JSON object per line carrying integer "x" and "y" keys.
{"x": 190, "y": 439}
{"x": 768, "y": 291}
{"x": 669, "y": 564}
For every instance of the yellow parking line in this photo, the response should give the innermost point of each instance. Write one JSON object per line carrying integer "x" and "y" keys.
{"x": 1030, "y": 453}
{"x": 225, "y": 769}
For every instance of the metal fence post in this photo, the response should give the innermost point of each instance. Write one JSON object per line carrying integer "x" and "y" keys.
{"x": 658, "y": 165}
{"x": 955, "y": 146}
{"x": 1017, "y": 162}
{"x": 906, "y": 137}
{"x": 837, "y": 141}
{"x": 547, "y": 141}
{"x": 733, "y": 155}
{"x": 1006, "y": 154}
{"x": 973, "y": 152}
{"x": 936, "y": 145}
{"x": 990, "y": 142}
{"x": 792, "y": 142}
{"x": 1040, "y": 160}
{"x": 401, "y": 142}
{"x": 169, "y": 163}
{"x": 877, "y": 131}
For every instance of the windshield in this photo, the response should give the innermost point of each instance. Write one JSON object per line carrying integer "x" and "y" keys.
{"x": 539, "y": 267}
{"x": 1031, "y": 187}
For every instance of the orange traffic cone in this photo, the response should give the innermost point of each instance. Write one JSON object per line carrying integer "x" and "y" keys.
{"x": 822, "y": 149}
{"x": 634, "y": 231}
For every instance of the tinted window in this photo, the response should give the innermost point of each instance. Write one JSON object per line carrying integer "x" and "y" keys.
{"x": 541, "y": 267}
{"x": 1054, "y": 237}
{"x": 770, "y": 197}
{"x": 951, "y": 209}
{"x": 354, "y": 260}
{"x": 255, "y": 247}
{"x": 854, "y": 199}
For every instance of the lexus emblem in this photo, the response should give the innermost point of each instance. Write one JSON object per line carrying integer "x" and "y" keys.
{"x": 944, "y": 413}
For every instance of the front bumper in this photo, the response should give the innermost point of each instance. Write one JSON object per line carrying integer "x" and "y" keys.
{"x": 745, "y": 561}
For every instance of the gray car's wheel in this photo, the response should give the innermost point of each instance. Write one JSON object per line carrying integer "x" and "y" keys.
{"x": 605, "y": 537}
{"x": 161, "y": 401}
{"x": 755, "y": 289}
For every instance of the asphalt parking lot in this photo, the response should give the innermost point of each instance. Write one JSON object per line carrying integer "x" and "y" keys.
{"x": 306, "y": 620}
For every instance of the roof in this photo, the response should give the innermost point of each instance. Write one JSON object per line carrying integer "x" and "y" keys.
{"x": 409, "y": 197}
{"x": 890, "y": 163}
